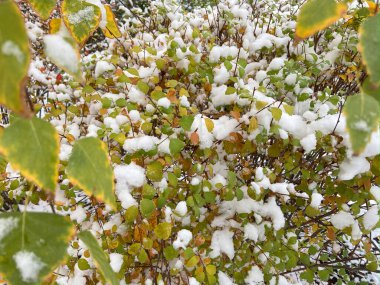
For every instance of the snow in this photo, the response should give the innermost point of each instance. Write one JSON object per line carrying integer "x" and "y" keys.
{"x": 7, "y": 225}
{"x": 131, "y": 174}
{"x": 222, "y": 242}
{"x": 79, "y": 214}
{"x": 116, "y": 261}
{"x": 224, "y": 279}
{"x": 255, "y": 276}
{"x": 86, "y": 14}
{"x": 61, "y": 52}
{"x": 221, "y": 75}
{"x": 145, "y": 143}
{"x": 276, "y": 64}
{"x": 219, "y": 97}
{"x": 183, "y": 238}
{"x": 342, "y": 220}
{"x": 251, "y": 232}
{"x": 375, "y": 191}
{"x": 103, "y": 19}
{"x": 291, "y": 79}
{"x": 10, "y": 48}
{"x": 223, "y": 127}
{"x": 316, "y": 200}
{"x": 29, "y": 265}
{"x": 135, "y": 116}
{"x": 164, "y": 102}
{"x": 371, "y": 218}
{"x": 181, "y": 208}
{"x": 351, "y": 167}
{"x": 103, "y": 66}
{"x": 309, "y": 142}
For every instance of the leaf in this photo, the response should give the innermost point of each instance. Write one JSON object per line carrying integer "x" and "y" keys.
{"x": 37, "y": 159}
{"x": 176, "y": 146}
{"x": 14, "y": 57}
{"x": 111, "y": 30}
{"x": 43, "y": 7}
{"x": 89, "y": 168}
{"x": 81, "y": 19}
{"x": 147, "y": 207}
{"x": 209, "y": 124}
{"x": 41, "y": 238}
{"x": 55, "y": 25}
{"x": 64, "y": 53}
{"x": 362, "y": 116}
{"x": 276, "y": 113}
{"x": 369, "y": 41}
{"x": 316, "y": 15}
{"x": 369, "y": 88}
{"x": 163, "y": 230}
{"x": 99, "y": 256}
{"x": 154, "y": 171}
{"x": 186, "y": 122}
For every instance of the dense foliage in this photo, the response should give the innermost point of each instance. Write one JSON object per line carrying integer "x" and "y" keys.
{"x": 166, "y": 143}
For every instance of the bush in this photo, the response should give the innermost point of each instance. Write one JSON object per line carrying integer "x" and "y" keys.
{"x": 238, "y": 155}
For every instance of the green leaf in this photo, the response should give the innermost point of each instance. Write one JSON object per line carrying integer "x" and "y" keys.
{"x": 186, "y": 122}
{"x": 83, "y": 264}
{"x": 170, "y": 252}
{"x": 131, "y": 214}
{"x": 81, "y": 19}
{"x": 309, "y": 21}
{"x": 43, "y": 7}
{"x": 147, "y": 207}
{"x": 163, "y": 230}
{"x": 362, "y": 116}
{"x": 176, "y": 146}
{"x": 14, "y": 57}
{"x": 369, "y": 88}
{"x": 38, "y": 238}
{"x": 154, "y": 171}
{"x": 276, "y": 113}
{"x": 89, "y": 168}
{"x": 142, "y": 256}
{"x": 99, "y": 256}
{"x": 369, "y": 41}
{"x": 37, "y": 159}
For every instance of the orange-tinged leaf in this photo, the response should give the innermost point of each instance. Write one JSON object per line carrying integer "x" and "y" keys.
{"x": 309, "y": 21}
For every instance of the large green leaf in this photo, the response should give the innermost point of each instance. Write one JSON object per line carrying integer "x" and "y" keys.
{"x": 362, "y": 118}
{"x": 32, "y": 147}
{"x": 89, "y": 168}
{"x": 32, "y": 245}
{"x": 99, "y": 256}
{"x": 316, "y": 15}
{"x": 14, "y": 57}
{"x": 369, "y": 46}
{"x": 81, "y": 19}
{"x": 43, "y": 7}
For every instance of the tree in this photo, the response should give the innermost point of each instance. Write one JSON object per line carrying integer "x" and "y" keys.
{"x": 236, "y": 143}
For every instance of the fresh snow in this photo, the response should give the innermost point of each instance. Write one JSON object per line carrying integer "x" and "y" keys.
{"x": 29, "y": 265}
{"x": 7, "y": 225}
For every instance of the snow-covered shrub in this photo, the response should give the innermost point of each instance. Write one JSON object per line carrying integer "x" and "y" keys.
{"x": 228, "y": 143}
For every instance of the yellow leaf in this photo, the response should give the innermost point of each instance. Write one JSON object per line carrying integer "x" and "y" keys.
{"x": 209, "y": 124}
{"x": 111, "y": 30}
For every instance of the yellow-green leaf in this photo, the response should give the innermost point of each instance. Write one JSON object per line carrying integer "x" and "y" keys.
{"x": 369, "y": 45}
{"x": 163, "y": 230}
{"x": 14, "y": 57}
{"x": 43, "y": 7}
{"x": 209, "y": 124}
{"x": 111, "y": 30}
{"x": 32, "y": 147}
{"x": 37, "y": 238}
{"x": 89, "y": 168}
{"x": 316, "y": 15}
{"x": 99, "y": 256}
{"x": 81, "y": 19}
{"x": 362, "y": 114}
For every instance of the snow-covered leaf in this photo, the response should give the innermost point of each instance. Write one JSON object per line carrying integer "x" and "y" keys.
{"x": 81, "y": 19}
{"x": 14, "y": 57}
{"x": 32, "y": 245}
{"x": 362, "y": 114}
{"x": 111, "y": 30}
